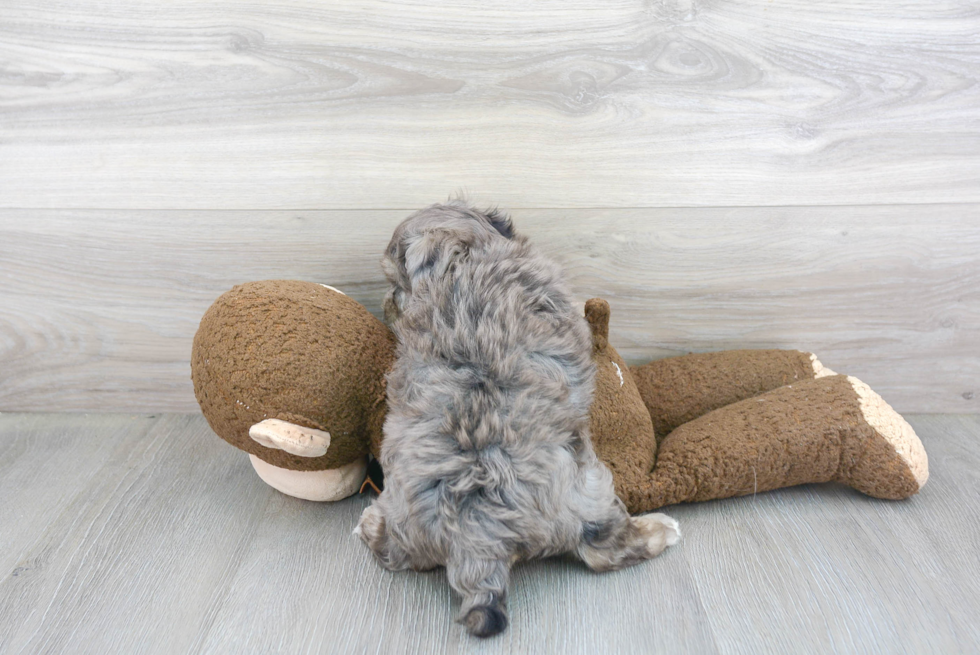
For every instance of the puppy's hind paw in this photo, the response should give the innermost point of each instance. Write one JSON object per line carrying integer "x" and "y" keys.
{"x": 660, "y": 531}
{"x": 371, "y": 527}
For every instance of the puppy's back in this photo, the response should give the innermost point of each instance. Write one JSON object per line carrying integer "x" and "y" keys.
{"x": 488, "y": 414}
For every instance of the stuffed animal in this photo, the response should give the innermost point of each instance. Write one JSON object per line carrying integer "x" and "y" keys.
{"x": 293, "y": 373}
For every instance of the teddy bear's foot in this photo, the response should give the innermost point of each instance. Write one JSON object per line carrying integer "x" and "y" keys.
{"x": 891, "y": 463}
{"x": 325, "y": 485}
{"x": 819, "y": 370}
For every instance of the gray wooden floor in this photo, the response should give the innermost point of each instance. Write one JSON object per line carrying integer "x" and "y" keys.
{"x": 137, "y": 533}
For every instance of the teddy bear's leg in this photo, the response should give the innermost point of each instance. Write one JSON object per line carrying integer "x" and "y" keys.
{"x": 680, "y": 389}
{"x": 831, "y": 428}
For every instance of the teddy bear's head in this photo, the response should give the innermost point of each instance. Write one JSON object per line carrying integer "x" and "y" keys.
{"x": 300, "y": 352}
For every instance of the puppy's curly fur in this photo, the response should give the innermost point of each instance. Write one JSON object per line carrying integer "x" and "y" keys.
{"x": 486, "y": 446}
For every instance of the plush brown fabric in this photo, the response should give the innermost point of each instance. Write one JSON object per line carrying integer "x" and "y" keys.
{"x": 680, "y": 389}
{"x": 753, "y": 420}
{"x": 299, "y": 352}
{"x": 303, "y": 353}
{"x": 811, "y": 431}
{"x": 622, "y": 433}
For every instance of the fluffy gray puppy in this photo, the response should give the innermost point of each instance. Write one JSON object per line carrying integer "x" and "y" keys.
{"x": 486, "y": 450}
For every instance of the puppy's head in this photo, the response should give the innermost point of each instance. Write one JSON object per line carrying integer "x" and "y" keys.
{"x": 428, "y": 243}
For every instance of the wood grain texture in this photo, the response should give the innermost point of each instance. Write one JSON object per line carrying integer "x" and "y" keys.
{"x": 170, "y": 543}
{"x": 99, "y": 307}
{"x": 154, "y": 533}
{"x": 851, "y": 573}
{"x": 565, "y": 103}
{"x": 58, "y": 448}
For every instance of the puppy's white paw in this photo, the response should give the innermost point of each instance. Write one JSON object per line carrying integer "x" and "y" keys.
{"x": 660, "y": 530}
{"x": 371, "y": 526}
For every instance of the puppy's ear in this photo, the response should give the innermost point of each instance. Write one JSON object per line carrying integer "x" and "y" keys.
{"x": 393, "y": 265}
{"x": 431, "y": 254}
{"x": 394, "y": 304}
{"x": 500, "y": 222}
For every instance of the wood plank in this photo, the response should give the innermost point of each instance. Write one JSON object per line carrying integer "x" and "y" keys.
{"x": 822, "y": 568}
{"x": 307, "y": 586}
{"x": 174, "y": 545}
{"x": 51, "y": 447}
{"x": 99, "y": 307}
{"x": 138, "y": 559}
{"x": 349, "y": 104}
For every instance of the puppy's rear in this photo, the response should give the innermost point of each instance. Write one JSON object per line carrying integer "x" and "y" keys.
{"x": 486, "y": 448}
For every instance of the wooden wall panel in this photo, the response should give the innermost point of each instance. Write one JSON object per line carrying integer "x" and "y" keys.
{"x": 98, "y": 308}
{"x": 151, "y": 156}
{"x": 300, "y": 104}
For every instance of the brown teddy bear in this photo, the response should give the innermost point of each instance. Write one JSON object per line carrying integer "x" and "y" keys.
{"x": 293, "y": 373}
